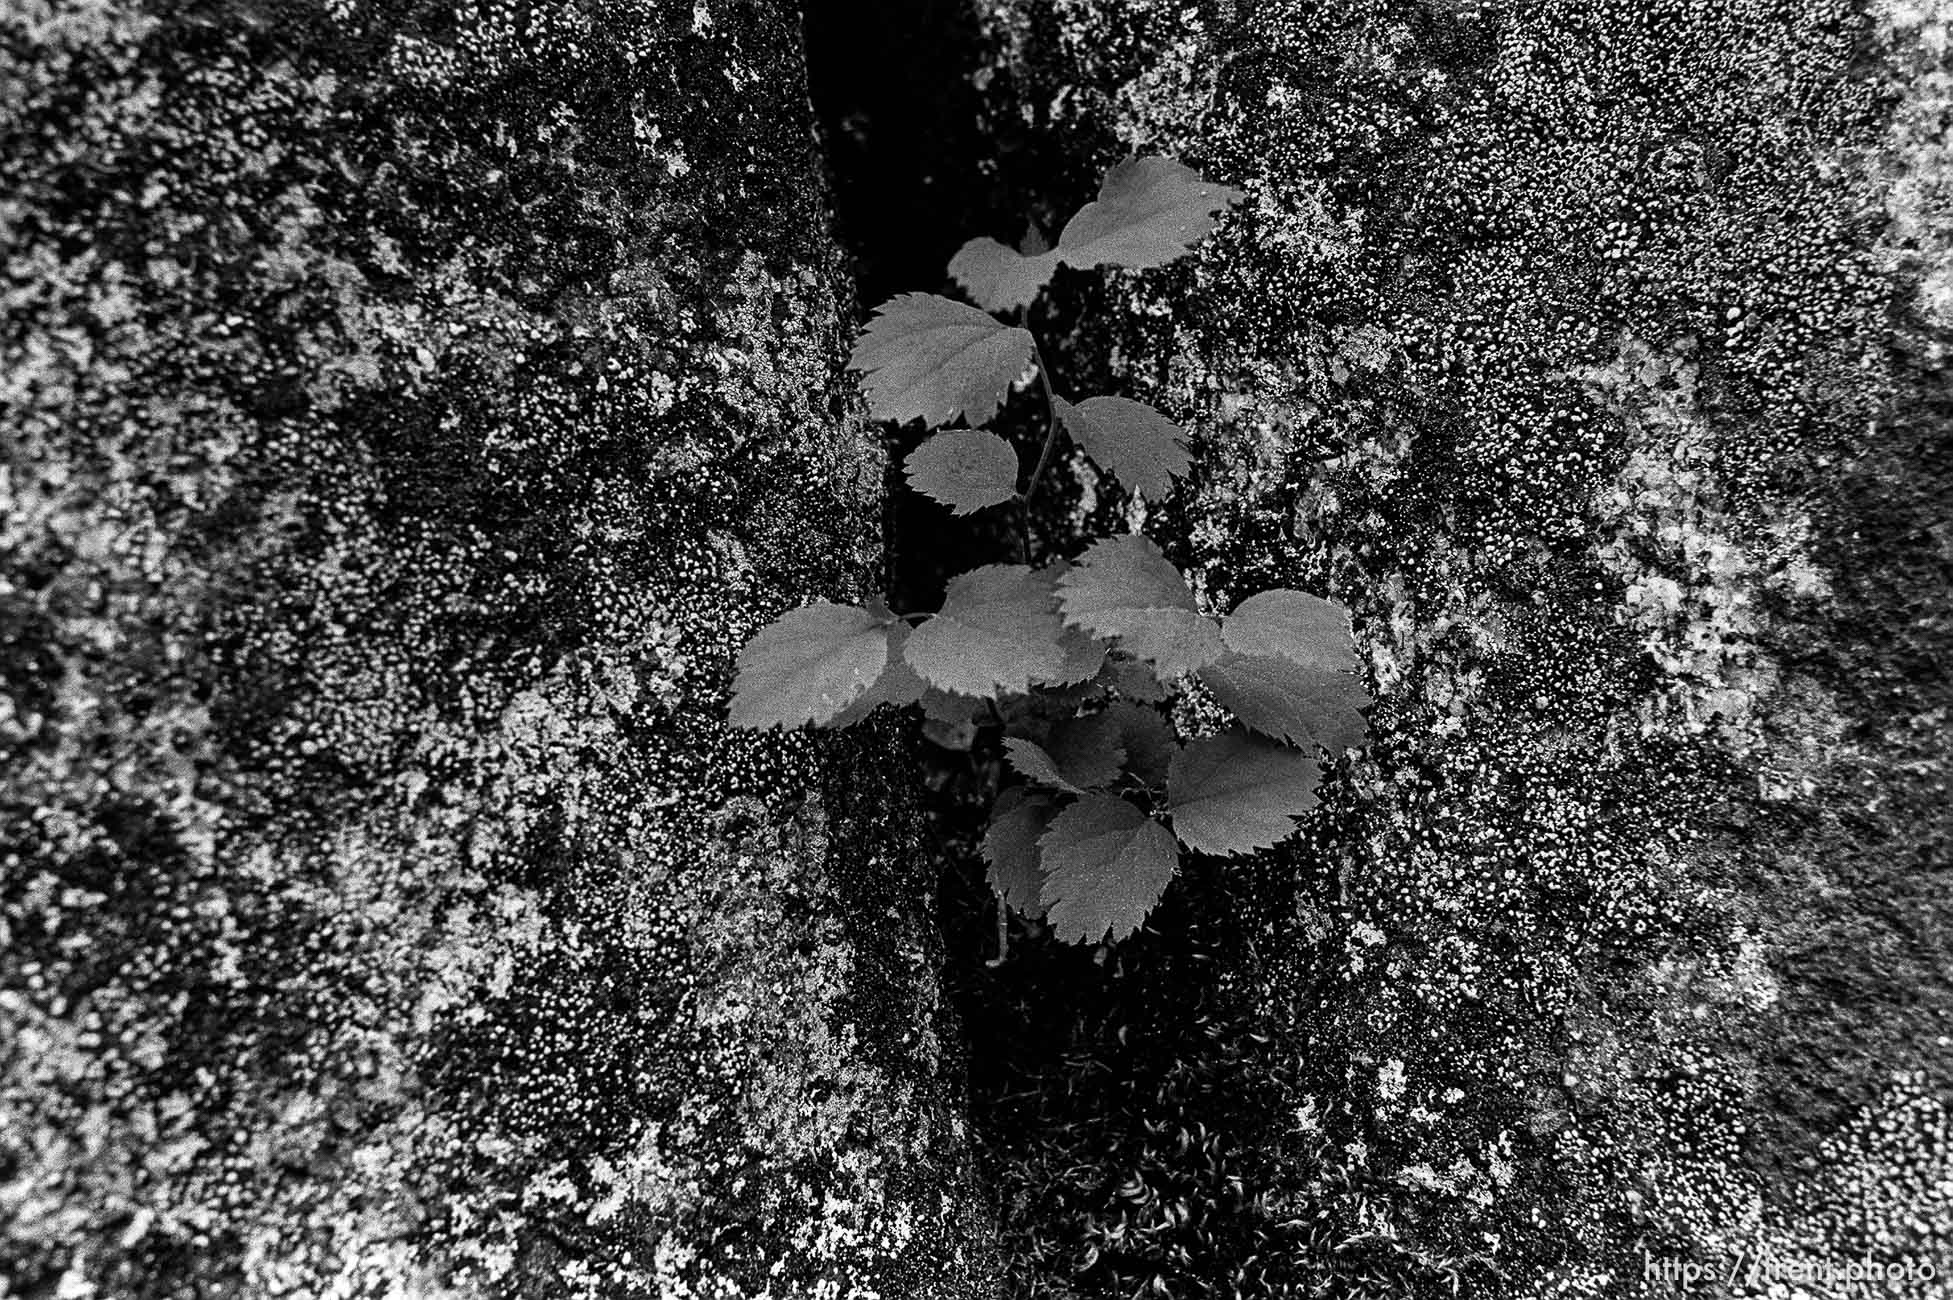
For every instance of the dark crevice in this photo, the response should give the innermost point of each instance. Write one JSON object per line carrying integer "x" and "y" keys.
{"x": 899, "y": 122}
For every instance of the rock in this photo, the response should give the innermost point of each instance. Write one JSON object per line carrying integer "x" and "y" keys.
{"x": 408, "y": 413}
{"x": 1550, "y": 341}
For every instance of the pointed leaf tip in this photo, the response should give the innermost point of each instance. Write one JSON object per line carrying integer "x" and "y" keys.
{"x": 1149, "y": 211}
{"x": 808, "y": 665}
{"x": 1106, "y": 864}
{"x": 1235, "y": 793}
{"x": 930, "y": 358}
{"x": 1129, "y": 440}
{"x": 1030, "y": 761}
{"x": 996, "y": 632}
{"x": 1124, "y": 589}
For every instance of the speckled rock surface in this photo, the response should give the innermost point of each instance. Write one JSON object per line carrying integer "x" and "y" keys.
{"x": 407, "y": 410}
{"x": 1590, "y": 352}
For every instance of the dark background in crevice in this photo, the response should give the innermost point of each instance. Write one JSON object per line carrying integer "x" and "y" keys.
{"x": 1064, "y": 1054}
{"x": 915, "y": 170}
{"x": 900, "y": 127}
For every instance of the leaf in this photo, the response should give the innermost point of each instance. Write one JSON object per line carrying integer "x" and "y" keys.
{"x": 1129, "y": 440}
{"x": 808, "y": 665}
{"x": 1029, "y": 760}
{"x": 1105, "y": 864}
{"x": 998, "y": 276}
{"x": 1010, "y": 846}
{"x": 931, "y": 358}
{"x": 1084, "y": 654}
{"x": 1295, "y": 625}
{"x": 1172, "y": 640}
{"x": 996, "y": 632}
{"x": 1146, "y": 738}
{"x": 1124, "y": 589}
{"x": 1236, "y": 792}
{"x": 1149, "y": 211}
{"x": 898, "y": 684}
{"x": 1087, "y": 749}
{"x": 1279, "y": 697}
{"x": 965, "y": 469}
{"x": 1127, "y": 572}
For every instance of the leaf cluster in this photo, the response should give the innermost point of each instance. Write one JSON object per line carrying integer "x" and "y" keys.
{"x": 1075, "y": 663}
{"x": 929, "y": 358}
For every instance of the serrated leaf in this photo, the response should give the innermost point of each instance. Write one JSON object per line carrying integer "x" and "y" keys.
{"x": 1294, "y": 625}
{"x": 930, "y": 358}
{"x": 1125, "y": 590}
{"x": 1149, "y": 211}
{"x": 996, "y": 632}
{"x": 896, "y": 686}
{"x": 1010, "y": 846}
{"x": 1279, "y": 697}
{"x": 807, "y": 666}
{"x": 1106, "y": 864}
{"x": 998, "y": 276}
{"x": 965, "y": 469}
{"x": 1126, "y": 572}
{"x": 1087, "y": 749}
{"x": 1129, "y": 440}
{"x": 1235, "y": 793}
{"x": 1172, "y": 640}
{"x": 1029, "y": 760}
{"x": 1146, "y": 738}
{"x": 1084, "y": 656}
{"x": 1084, "y": 653}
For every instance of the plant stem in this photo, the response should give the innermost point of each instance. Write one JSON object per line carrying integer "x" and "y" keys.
{"x": 1003, "y": 937}
{"x": 1044, "y": 457}
{"x": 1050, "y": 428}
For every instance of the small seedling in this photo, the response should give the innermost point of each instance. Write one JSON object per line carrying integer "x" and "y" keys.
{"x": 1074, "y": 661}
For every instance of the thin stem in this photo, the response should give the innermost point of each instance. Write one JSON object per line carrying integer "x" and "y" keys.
{"x": 1003, "y": 936}
{"x": 1050, "y": 428}
{"x": 1044, "y": 457}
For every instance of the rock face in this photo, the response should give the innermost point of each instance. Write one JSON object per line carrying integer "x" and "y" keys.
{"x": 1558, "y": 341}
{"x": 408, "y": 411}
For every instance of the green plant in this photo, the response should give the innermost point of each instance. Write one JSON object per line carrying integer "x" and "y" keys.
{"x": 1072, "y": 660}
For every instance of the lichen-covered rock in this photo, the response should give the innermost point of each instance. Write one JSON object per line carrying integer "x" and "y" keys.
{"x": 407, "y": 410}
{"x": 1556, "y": 340}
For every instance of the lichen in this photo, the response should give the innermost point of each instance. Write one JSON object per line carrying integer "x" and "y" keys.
{"x": 407, "y": 416}
{"x": 1546, "y": 339}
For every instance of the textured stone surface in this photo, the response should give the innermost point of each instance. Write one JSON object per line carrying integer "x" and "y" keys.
{"x": 407, "y": 410}
{"x": 1554, "y": 339}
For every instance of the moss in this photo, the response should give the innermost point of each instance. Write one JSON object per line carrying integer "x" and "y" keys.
{"x": 1549, "y": 338}
{"x": 402, "y": 433}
